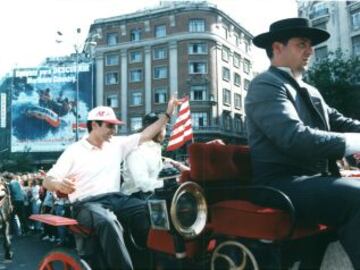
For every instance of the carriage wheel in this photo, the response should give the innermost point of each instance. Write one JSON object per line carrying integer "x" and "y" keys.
{"x": 63, "y": 259}
{"x": 232, "y": 255}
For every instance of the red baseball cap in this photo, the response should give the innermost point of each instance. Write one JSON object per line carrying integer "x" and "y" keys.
{"x": 103, "y": 113}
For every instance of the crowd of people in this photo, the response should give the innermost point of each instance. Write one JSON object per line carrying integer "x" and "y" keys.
{"x": 28, "y": 197}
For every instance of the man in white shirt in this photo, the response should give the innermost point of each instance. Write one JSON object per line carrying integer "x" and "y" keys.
{"x": 143, "y": 164}
{"x": 88, "y": 171}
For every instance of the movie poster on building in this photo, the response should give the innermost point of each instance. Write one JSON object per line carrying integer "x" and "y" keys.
{"x": 43, "y": 107}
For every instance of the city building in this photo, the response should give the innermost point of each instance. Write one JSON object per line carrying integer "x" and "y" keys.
{"x": 341, "y": 19}
{"x": 183, "y": 48}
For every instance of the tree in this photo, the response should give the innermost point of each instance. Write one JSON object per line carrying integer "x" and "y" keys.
{"x": 338, "y": 80}
{"x": 19, "y": 162}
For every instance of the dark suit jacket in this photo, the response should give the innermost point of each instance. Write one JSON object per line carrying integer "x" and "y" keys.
{"x": 292, "y": 131}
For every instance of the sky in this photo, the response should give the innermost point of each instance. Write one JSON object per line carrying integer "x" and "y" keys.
{"x": 29, "y": 28}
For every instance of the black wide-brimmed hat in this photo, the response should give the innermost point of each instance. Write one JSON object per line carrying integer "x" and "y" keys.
{"x": 288, "y": 28}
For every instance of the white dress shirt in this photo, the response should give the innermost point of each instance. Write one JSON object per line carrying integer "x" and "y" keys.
{"x": 141, "y": 169}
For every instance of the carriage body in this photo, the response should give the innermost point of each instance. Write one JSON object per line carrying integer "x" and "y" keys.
{"x": 208, "y": 220}
{"x": 238, "y": 233}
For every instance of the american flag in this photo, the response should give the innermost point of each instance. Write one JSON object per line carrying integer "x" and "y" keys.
{"x": 182, "y": 130}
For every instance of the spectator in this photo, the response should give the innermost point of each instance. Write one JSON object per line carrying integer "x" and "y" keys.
{"x": 18, "y": 198}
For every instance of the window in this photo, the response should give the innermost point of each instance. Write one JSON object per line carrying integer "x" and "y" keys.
{"x": 225, "y": 74}
{"x": 246, "y": 66}
{"x": 237, "y": 101}
{"x": 198, "y": 48}
{"x": 237, "y": 60}
{"x": 112, "y": 101}
{"x": 111, "y": 78}
{"x": 199, "y": 119}
{"x": 112, "y": 39}
{"x": 237, "y": 79}
{"x": 321, "y": 53}
{"x": 237, "y": 40}
{"x": 112, "y": 60}
{"x": 225, "y": 54}
{"x": 160, "y": 31}
{"x": 135, "y": 123}
{"x": 226, "y": 96}
{"x": 135, "y": 35}
{"x": 318, "y": 9}
{"x": 224, "y": 32}
{"x": 135, "y": 56}
{"x": 160, "y": 95}
{"x": 246, "y": 84}
{"x": 160, "y": 53}
{"x": 197, "y": 25}
{"x": 136, "y": 75}
{"x": 136, "y": 99}
{"x": 320, "y": 26}
{"x": 198, "y": 92}
{"x": 247, "y": 46}
{"x": 227, "y": 121}
{"x": 356, "y": 45}
{"x": 197, "y": 68}
{"x": 238, "y": 124}
{"x": 355, "y": 20}
{"x": 160, "y": 72}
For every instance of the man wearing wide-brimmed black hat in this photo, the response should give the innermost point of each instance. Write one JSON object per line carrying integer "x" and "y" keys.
{"x": 295, "y": 137}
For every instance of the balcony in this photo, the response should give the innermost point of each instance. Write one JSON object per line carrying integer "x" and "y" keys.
{"x": 353, "y": 5}
{"x": 218, "y": 130}
{"x": 197, "y": 78}
{"x": 319, "y": 13}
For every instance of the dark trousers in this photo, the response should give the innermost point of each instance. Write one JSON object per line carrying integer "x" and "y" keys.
{"x": 19, "y": 210}
{"x": 48, "y": 229}
{"x": 333, "y": 201}
{"x": 107, "y": 214}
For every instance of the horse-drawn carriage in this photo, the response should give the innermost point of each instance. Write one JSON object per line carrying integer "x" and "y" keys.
{"x": 210, "y": 219}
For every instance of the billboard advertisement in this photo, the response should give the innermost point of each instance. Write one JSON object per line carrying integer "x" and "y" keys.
{"x": 43, "y": 106}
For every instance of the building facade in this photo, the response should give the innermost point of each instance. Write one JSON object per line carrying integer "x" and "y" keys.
{"x": 341, "y": 19}
{"x": 178, "y": 48}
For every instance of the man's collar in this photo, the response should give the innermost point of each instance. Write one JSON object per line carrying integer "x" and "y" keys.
{"x": 297, "y": 78}
{"x": 84, "y": 142}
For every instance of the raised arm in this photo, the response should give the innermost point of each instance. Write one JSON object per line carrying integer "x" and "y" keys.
{"x": 148, "y": 133}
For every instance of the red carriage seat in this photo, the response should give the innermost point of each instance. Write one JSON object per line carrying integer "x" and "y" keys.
{"x": 221, "y": 165}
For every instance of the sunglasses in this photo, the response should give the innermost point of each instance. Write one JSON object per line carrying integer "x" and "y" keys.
{"x": 110, "y": 126}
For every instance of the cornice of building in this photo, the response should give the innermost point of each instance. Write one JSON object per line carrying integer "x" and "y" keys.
{"x": 169, "y": 8}
{"x": 172, "y": 38}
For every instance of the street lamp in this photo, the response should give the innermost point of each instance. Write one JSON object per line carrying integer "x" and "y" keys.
{"x": 77, "y": 93}
{"x": 88, "y": 44}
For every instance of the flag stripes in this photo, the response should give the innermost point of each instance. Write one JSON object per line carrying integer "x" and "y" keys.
{"x": 182, "y": 129}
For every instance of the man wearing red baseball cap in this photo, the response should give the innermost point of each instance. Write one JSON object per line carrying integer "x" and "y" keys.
{"x": 88, "y": 171}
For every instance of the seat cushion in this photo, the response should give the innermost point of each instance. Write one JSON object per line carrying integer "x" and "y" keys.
{"x": 214, "y": 162}
{"x": 245, "y": 219}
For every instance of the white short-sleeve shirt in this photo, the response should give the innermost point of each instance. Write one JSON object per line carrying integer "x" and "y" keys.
{"x": 96, "y": 170}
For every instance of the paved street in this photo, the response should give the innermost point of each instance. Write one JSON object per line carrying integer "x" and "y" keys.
{"x": 29, "y": 250}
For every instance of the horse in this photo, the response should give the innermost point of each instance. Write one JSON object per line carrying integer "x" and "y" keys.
{"x": 6, "y": 209}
